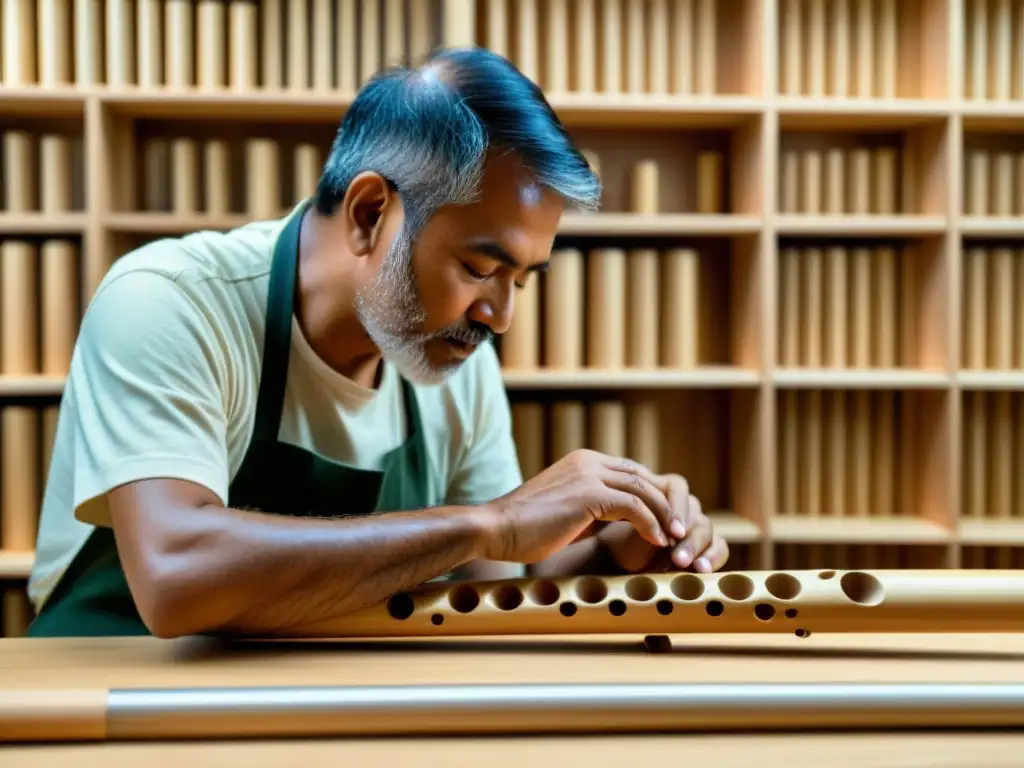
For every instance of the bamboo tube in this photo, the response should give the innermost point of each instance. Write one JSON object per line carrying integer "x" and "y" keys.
{"x": 1018, "y": 66}
{"x": 59, "y": 269}
{"x": 859, "y": 190}
{"x": 883, "y": 180}
{"x": 789, "y": 453}
{"x": 885, "y": 315}
{"x": 178, "y": 23}
{"x": 53, "y": 42}
{"x": 527, "y": 53}
{"x": 210, "y": 43}
{"x": 156, "y": 174}
{"x": 861, "y": 459}
{"x": 216, "y": 193}
{"x": 977, "y": 203}
{"x": 816, "y": 61}
{"x": 17, "y": 612}
{"x": 836, "y": 453}
{"x": 1018, "y": 453}
{"x": 19, "y": 43}
{"x": 243, "y": 23}
{"x": 645, "y": 192}
{"x": 709, "y": 182}
{"x": 520, "y": 344}
{"x": 1000, "y": 71}
{"x": 1018, "y": 322}
{"x": 1000, "y": 311}
{"x": 297, "y": 45}
{"x": 369, "y": 40}
{"x": 272, "y": 46}
{"x": 20, "y": 176}
{"x": 55, "y": 177}
{"x": 18, "y": 308}
{"x": 564, "y": 319}
{"x": 1000, "y": 452}
{"x": 790, "y": 314}
{"x": 319, "y": 711}
{"x": 19, "y": 466}
{"x": 975, "y": 459}
{"x": 119, "y": 43}
{"x": 346, "y": 62}
{"x": 394, "y": 33}
{"x": 811, "y": 188}
{"x": 860, "y": 308}
{"x": 635, "y": 35}
{"x": 682, "y": 59}
{"x": 184, "y": 176}
{"x": 865, "y": 32}
{"x": 308, "y": 164}
{"x": 658, "y": 29}
{"x": 149, "y": 43}
{"x": 1001, "y": 202}
{"x": 88, "y": 41}
{"x": 840, "y": 48}
{"x": 606, "y": 308}
{"x": 680, "y": 303}
{"x": 811, "y": 469}
{"x": 813, "y": 308}
{"x": 643, "y": 434}
{"x": 835, "y": 184}
{"x": 568, "y": 428}
{"x": 706, "y": 46}
{"x": 528, "y": 435}
{"x": 885, "y": 77}
{"x": 975, "y": 268}
{"x": 883, "y": 498}
{"x": 642, "y": 302}
{"x": 607, "y": 427}
{"x": 611, "y": 47}
{"x": 585, "y": 28}
{"x": 836, "y": 295}
{"x": 908, "y": 281}
{"x": 262, "y": 187}
{"x": 977, "y": 50}
{"x": 496, "y": 33}
{"x": 789, "y": 182}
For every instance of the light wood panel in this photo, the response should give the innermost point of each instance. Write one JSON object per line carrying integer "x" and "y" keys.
{"x": 810, "y": 249}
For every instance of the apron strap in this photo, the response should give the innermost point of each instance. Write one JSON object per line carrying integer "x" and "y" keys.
{"x": 277, "y": 342}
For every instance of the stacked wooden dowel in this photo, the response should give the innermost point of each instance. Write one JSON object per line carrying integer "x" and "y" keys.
{"x": 803, "y": 289}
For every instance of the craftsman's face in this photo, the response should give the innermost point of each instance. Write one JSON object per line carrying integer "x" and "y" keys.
{"x": 435, "y": 300}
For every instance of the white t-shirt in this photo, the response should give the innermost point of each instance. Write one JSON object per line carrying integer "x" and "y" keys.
{"x": 164, "y": 382}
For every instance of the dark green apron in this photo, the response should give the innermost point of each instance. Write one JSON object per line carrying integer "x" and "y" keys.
{"x": 92, "y": 598}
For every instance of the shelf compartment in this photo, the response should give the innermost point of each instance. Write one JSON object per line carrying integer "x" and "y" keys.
{"x": 995, "y": 557}
{"x": 692, "y": 47}
{"x": 992, "y": 50}
{"x": 42, "y": 167}
{"x": 887, "y": 554}
{"x": 863, "y": 48}
{"x": 26, "y": 442}
{"x": 659, "y": 429}
{"x": 875, "y": 463}
{"x": 852, "y": 307}
{"x": 864, "y": 172}
{"x": 992, "y": 307}
{"x": 992, "y": 450}
{"x": 993, "y": 177}
{"x": 610, "y": 310}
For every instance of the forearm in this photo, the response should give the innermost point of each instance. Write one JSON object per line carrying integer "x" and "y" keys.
{"x": 243, "y": 572}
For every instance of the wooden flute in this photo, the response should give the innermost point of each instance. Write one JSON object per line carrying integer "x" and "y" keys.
{"x": 801, "y": 602}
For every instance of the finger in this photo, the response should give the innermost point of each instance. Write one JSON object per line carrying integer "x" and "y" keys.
{"x": 678, "y": 491}
{"x": 621, "y": 505}
{"x": 622, "y": 464}
{"x": 697, "y": 539}
{"x": 652, "y": 497}
{"x": 714, "y": 557}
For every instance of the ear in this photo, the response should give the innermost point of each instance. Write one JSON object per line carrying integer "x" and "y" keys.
{"x": 367, "y": 199}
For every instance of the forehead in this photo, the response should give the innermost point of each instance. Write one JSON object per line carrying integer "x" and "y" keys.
{"x": 512, "y": 208}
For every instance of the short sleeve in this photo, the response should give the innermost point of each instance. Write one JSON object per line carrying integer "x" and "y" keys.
{"x": 488, "y": 466}
{"x": 145, "y": 392}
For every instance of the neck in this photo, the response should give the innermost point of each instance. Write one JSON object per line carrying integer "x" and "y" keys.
{"x": 325, "y": 303}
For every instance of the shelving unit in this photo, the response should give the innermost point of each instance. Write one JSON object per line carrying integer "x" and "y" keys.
{"x": 803, "y": 291}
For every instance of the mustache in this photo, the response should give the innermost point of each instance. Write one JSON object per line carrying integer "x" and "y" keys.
{"x": 471, "y": 333}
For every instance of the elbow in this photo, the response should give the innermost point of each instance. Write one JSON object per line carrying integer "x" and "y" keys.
{"x": 165, "y": 606}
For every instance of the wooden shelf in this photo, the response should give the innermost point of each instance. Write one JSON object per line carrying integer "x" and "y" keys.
{"x": 16, "y": 565}
{"x": 782, "y": 230}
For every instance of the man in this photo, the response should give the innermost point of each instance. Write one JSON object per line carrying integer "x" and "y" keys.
{"x": 266, "y": 429}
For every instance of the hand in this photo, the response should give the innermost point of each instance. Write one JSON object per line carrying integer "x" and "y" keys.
{"x": 562, "y": 503}
{"x": 694, "y": 542}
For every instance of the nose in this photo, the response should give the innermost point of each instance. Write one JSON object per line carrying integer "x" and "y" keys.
{"x": 495, "y": 311}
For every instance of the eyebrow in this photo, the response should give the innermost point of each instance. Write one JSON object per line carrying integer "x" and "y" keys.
{"x": 496, "y": 251}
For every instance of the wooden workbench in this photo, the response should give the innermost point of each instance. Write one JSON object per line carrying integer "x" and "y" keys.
{"x": 195, "y": 662}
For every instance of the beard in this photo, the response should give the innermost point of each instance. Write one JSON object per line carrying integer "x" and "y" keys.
{"x": 392, "y": 313}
